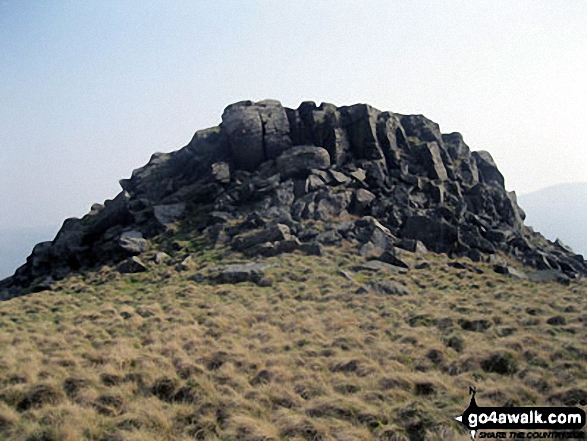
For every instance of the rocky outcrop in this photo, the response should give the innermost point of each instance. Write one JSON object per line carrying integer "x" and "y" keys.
{"x": 270, "y": 179}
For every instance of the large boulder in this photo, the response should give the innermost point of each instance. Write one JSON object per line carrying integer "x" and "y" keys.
{"x": 300, "y": 160}
{"x": 256, "y": 132}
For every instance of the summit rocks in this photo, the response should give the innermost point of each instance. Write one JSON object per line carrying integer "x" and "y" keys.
{"x": 271, "y": 179}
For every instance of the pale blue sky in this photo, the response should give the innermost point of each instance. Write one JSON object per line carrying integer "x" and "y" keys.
{"x": 90, "y": 89}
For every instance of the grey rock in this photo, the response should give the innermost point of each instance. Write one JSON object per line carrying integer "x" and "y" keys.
{"x": 131, "y": 265}
{"x": 132, "y": 242}
{"x": 549, "y": 276}
{"x": 361, "y": 201}
{"x": 300, "y": 160}
{"x": 221, "y": 172}
{"x": 161, "y": 258}
{"x": 338, "y": 178}
{"x": 256, "y": 132}
{"x": 510, "y": 272}
{"x": 378, "y": 266}
{"x": 239, "y": 273}
{"x": 392, "y": 259}
{"x": 390, "y": 288}
{"x": 312, "y": 249}
{"x": 412, "y": 245}
{"x": 250, "y": 239}
{"x": 359, "y": 174}
{"x": 170, "y": 213}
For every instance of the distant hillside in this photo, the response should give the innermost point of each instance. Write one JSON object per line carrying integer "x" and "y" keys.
{"x": 17, "y": 243}
{"x": 559, "y": 211}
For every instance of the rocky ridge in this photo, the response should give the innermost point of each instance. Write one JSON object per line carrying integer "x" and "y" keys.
{"x": 270, "y": 180}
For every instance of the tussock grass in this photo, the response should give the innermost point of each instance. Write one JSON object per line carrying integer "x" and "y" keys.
{"x": 315, "y": 356}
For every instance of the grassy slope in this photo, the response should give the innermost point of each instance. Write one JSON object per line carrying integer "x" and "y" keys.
{"x": 155, "y": 356}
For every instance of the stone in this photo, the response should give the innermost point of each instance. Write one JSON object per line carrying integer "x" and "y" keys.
{"x": 131, "y": 265}
{"x": 312, "y": 249}
{"x": 161, "y": 258}
{"x": 256, "y": 132}
{"x": 510, "y": 272}
{"x": 361, "y": 200}
{"x": 378, "y": 266}
{"x": 359, "y": 174}
{"x": 299, "y": 161}
{"x": 390, "y": 288}
{"x": 169, "y": 214}
{"x": 339, "y": 178}
{"x": 550, "y": 275}
{"x": 132, "y": 242}
{"x": 239, "y": 273}
{"x": 392, "y": 259}
{"x": 412, "y": 245}
{"x": 313, "y": 183}
{"x": 221, "y": 172}
{"x": 250, "y": 239}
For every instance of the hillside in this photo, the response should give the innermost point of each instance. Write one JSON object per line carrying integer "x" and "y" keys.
{"x": 324, "y": 350}
{"x": 319, "y": 273}
{"x": 559, "y": 212}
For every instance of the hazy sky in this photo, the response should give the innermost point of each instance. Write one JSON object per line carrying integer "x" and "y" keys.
{"x": 90, "y": 89}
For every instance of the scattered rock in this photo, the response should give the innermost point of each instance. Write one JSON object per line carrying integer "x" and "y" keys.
{"x": 378, "y": 266}
{"x": 510, "y": 272}
{"x": 239, "y": 273}
{"x": 221, "y": 172}
{"x": 300, "y": 160}
{"x": 392, "y": 259}
{"x": 246, "y": 241}
{"x": 131, "y": 265}
{"x": 161, "y": 258}
{"x": 132, "y": 242}
{"x": 390, "y": 288}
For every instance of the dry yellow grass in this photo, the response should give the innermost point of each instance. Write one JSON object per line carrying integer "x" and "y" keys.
{"x": 315, "y": 356}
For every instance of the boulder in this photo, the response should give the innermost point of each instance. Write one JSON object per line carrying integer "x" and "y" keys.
{"x": 376, "y": 266}
{"x": 511, "y": 272}
{"x": 361, "y": 200}
{"x": 239, "y": 273}
{"x": 221, "y": 172}
{"x": 132, "y": 242}
{"x": 300, "y": 160}
{"x": 390, "y": 288}
{"x": 392, "y": 259}
{"x": 169, "y": 214}
{"x": 131, "y": 265}
{"x": 250, "y": 239}
{"x": 256, "y": 132}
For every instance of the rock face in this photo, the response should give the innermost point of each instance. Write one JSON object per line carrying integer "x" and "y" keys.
{"x": 267, "y": 174}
